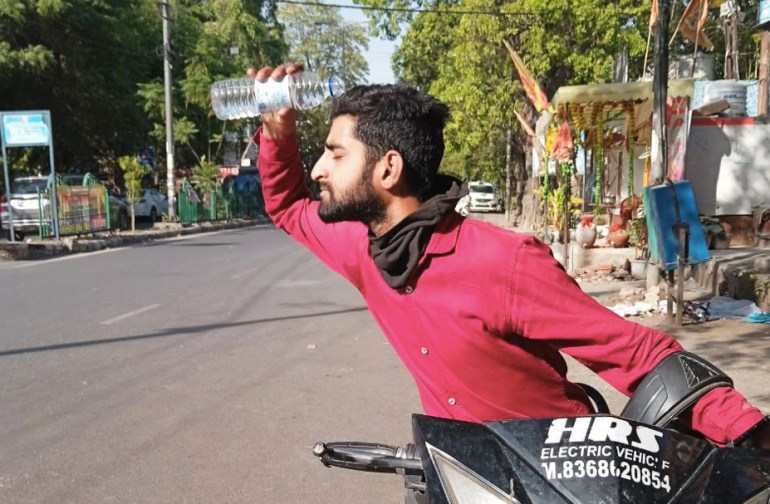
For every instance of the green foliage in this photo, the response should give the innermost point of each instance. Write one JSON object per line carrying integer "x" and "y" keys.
{"x": 461, "y": 60}
{"x": 322, "y": 40}
{"x": 205, "y": 176}
{"x": 133, "y": 173}
{"x": 95, "y": 66}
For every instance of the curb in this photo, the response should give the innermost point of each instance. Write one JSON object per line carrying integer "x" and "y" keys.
{"x": 19, "y": 251}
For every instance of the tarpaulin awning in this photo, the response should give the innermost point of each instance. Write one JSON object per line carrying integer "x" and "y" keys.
{"x": 618, "y": 92}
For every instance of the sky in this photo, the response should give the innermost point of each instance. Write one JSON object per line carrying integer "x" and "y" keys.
{"x": 380, "y": 51}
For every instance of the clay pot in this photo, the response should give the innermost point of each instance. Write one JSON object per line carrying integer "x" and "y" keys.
{"x": 618, "y": 239}
{"x": 585, "y": 236}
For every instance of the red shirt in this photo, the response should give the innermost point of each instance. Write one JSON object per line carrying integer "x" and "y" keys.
{"x": 482, "y": 321}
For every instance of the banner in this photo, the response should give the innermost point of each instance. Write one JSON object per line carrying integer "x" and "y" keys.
{"x": 531, "y": 87}
{"x": 677, "y": 129}
{"x": 693, "y": 21}
{"x": 82, "y": 209}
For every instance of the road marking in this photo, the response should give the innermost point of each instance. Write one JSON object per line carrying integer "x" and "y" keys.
{"x": 243, "y": 273}
{"x": 129, "y": 314}
{"x": 297, "y": 283}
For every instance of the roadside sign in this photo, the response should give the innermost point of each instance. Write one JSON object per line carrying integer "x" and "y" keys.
{"x": 25, "y": 129}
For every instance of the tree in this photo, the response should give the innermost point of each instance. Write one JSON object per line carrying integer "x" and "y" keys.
{"x": 319, "y": 38}
{"x": 133, "y": 173}
{"x": 95, "y": 65}
{"x": 80, "y": 60}
{"x": 212, "y": 40}
{"x": 562, "y": 42}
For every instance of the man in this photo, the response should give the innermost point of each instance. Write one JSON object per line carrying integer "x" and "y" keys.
{"x": 477, "y": 313}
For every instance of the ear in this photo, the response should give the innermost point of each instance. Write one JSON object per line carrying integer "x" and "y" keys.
{"x": 391, "y": 170}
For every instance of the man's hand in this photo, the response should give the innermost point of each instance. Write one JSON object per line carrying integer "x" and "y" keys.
{"x": 759, "y": 438}
{"x": 283, "y": 122}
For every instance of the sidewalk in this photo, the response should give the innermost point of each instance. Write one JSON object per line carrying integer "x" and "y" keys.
{"x": 42, "y": 249}
{"x": 739, "y": 272}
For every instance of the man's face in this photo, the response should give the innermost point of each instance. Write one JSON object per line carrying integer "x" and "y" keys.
{"x": 347, "y": 191}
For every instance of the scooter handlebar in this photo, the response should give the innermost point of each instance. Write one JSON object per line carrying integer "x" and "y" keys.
{"x": 371, "y": 457}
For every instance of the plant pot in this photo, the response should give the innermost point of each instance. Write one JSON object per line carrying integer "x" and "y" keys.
{"x": 618, "y": 239}
{"x": 585, "y": 236}
{"x": 638, "y": 268}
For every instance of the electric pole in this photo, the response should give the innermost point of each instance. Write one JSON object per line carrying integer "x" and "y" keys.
{"x": 763, "y": 18}
{"x": 658, "y": 147}
{"x": 165, "y": 13}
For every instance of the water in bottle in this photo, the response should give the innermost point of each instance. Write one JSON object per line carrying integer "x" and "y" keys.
{"x": 244, "y": 97}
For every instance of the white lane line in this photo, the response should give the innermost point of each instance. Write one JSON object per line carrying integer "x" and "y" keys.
{"x": 243, "y": 273}
{"x": 297, "y": 283}
{"x": 129, "y": 314}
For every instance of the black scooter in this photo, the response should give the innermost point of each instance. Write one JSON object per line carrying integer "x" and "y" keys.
{"x": 637, "y": 457}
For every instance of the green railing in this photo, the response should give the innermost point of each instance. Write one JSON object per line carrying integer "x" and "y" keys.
{"x": 81, "y": 209}
{"x": 217, "y": 205}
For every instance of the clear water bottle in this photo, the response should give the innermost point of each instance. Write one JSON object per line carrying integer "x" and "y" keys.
{"x": 244, "y": 97}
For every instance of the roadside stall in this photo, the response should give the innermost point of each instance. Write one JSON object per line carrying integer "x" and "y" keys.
{"x": 611, "y": 128}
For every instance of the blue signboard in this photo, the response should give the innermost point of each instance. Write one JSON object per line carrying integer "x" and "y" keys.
{"x": 25, "y": 130}
{"x": 665, "y": 208}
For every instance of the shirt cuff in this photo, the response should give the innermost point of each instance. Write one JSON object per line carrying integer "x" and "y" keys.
{"x": 724, "y": 415}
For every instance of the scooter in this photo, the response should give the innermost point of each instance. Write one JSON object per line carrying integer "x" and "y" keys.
{"x": 637, "y": 457}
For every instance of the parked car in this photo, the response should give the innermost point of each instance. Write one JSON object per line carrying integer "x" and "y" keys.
{"x": 484, "y": 197}
{"x": 152, "y": 204}
{"x": 120, "y": 211}
{"x": 25, "y": 205}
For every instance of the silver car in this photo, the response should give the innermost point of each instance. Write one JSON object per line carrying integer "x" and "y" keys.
{"x": 25, "y": 204}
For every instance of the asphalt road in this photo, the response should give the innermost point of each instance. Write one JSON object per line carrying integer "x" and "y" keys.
{"x": 199, "y": 370}
{"x": 202, "y": 370}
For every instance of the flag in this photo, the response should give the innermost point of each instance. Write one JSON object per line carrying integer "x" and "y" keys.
{"x": 654, "y": 15}
{"x": 524, "y": 125}
{"x": 693, "y": 21}
{"x": 531, "y": 87}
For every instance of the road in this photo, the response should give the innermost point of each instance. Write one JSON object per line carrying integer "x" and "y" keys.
{"x": 202, "y": 370}
{"x": 191, "y": 371}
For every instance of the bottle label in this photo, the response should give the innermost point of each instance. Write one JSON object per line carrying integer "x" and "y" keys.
{"x": 272, "y": 95}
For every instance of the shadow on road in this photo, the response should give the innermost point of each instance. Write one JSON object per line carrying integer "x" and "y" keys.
{"x": 174, "y": 331}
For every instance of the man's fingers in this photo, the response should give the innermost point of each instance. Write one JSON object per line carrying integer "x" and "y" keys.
{"x": 294, "y": 68}
{"x": 264, "y": 73}
{"x": 276, "y": 73}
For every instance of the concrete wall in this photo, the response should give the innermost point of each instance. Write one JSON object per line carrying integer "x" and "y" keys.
{"x": 728, "y": 164}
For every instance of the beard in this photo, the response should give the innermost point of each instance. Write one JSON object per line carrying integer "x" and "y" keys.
{"x": 359, "y": 203}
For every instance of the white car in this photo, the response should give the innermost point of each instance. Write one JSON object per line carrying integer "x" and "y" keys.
{"x": 484, "y": 197}
{"x": 152, "y": 204}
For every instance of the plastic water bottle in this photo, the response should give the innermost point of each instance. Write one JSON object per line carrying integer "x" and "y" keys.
{"x": 244, "y": 97}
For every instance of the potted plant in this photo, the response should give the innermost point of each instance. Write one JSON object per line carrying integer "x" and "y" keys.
{"x": 585, "y": 234}
{"x": 618, "y": 236}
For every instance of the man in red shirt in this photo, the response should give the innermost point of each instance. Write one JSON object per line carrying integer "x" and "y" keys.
{"x": 478, "y": 314}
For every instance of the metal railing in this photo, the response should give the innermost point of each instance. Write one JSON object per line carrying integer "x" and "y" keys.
{"x": 81, "y": 209}
{"x": 219, "y": 204}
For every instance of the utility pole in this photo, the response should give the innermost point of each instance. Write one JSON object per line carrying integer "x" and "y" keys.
{"x": 730, "y": 11}
{"x": 763, "y": 18}
{"x": 658, "y": 147}
{"x": 764, "y": 71}
{"x": 165, "y": 13}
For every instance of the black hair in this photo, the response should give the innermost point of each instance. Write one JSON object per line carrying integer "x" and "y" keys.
{"x": 400, "y": 118}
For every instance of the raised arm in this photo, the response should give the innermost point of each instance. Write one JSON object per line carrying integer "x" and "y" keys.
{"x": 287, "y": 199}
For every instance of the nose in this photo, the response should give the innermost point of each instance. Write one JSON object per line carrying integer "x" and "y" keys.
{"x": 318, "y": 172}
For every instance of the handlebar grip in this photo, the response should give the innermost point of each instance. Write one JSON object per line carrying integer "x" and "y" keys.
{"x": 360, "y": 456}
